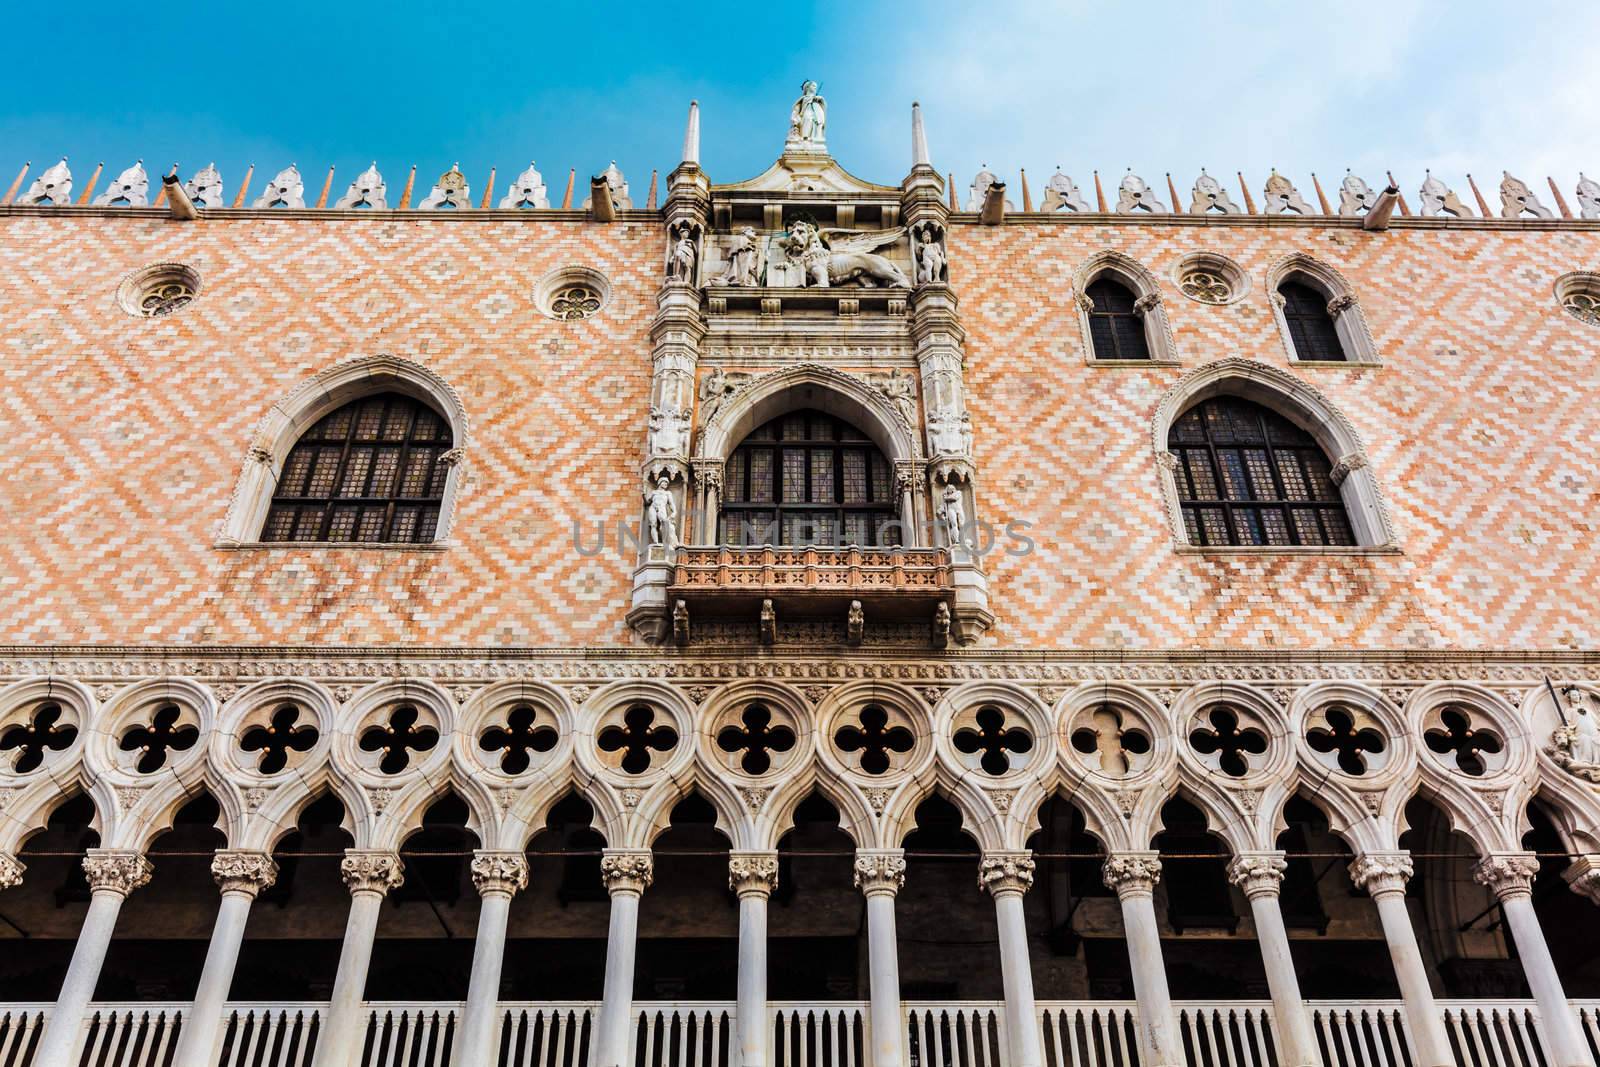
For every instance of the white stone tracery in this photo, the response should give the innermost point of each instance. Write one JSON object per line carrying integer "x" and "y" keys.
{"x": 1147, "y": 303}
{"x": 1349, "y": 321}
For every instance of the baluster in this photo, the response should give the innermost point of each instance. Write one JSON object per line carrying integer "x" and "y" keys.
{"x": 236, "y": 1030}
{"x": 304, "y": 1023}
{"x": 1076, "y": 1024}
{"x": 386, "y": 1036}
{"x": 16, "y": 1025}
{"x": 275, "y": 1042}
{"x": 168, "y": 1027}
{"x": 1523, "y": 1034}
{"x": 971, "y": 1036}
{"x": 97, "y": 1023}
{"x": 532, "y": 1030}
{"x": 1396, "y": 1037}
{"x": 649, "y": 1040}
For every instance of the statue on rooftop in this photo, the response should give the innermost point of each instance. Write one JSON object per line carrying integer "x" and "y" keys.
{"x": 836, "y": 257}
{"x": 808, "y": 119}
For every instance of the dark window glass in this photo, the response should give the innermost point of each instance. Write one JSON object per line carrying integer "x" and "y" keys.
{"x": 1116, "y": 329}
{"x": 807, "y": 478}
{"x": 1248, "y": 476}
{"x": 1310, "y": 326}
{"x": 369, "y": 471}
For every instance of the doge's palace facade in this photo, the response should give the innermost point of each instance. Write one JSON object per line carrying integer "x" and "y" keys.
{"x": 799, "y": 622}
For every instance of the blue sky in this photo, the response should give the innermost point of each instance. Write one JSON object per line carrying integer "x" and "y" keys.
{"x": 1155, "y": 86}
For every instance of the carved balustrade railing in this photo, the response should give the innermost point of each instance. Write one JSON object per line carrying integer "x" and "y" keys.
{"x": 767, "y": 570}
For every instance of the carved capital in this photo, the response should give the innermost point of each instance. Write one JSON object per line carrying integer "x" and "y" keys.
{"x": 117, "y": 870}
{"x": 1167, "y": 459}
{"x": 1259, "y": 874}
{"x": 1006, "y": 872}
{"x": 627, "y": 870}
{"x": 371, "y": 871}
{"x": 1341, "y": 303}
{"x": 260, "y": 452}
{"x": 11, "y": 870}
{"x": 1347, "y": 464}
{"x": 880, "y": 870}
{"x": 1381, "y": 872}
{"x": 1508, "y": 874}
{"x": 1583, "y": 875}
{"x": 753, "y": 872}
{"x": 499, "y": 872}
{"x": 452, "y": 457}
{"x": 243, "y": 871}
{"x": 708, "y": 473}
{"x": 1147, "y": 303}
{"x": 1132, "y": 873}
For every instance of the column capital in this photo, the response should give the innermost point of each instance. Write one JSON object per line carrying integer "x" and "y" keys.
{"x": 501, "y": 872}
{"x": 627, "y": 870}
{"x": 11, "y": 870}
{"x": 370, "y": 870}
{"x": 753, "y": 873}
{"x": 1379, "y": 873}
{"x": 1508, "y": 874}
{"x": 117, "y": 870}
{"x": 238, "y": 870}
{"x": 1259, "y": 874}
{"x": 1583, "y": 875}
{"x": 1131, "y": 874}
{"x": 880, "y": 870}
{"x": 1003, "y": 871}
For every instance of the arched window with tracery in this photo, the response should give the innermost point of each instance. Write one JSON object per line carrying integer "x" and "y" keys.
{"x": 370, "y": 471}
{"x": 1248, "y": 476}
{"x": 1311, "y": 327}
{"x": 1115, "y": 328}
{"x": 808, "y": 478}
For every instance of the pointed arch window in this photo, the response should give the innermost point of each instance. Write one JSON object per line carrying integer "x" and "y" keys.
{"x": 1116, "y": 329}
{"x": 808, "y": 478}
{"x": 1248, "y": 476}
{"x": 371, "y": 471}
{"x": 1311, "y": 327}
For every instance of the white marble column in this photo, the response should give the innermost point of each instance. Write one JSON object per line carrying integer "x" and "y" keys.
{"x": 1133, "y": 875}
{"x": 1260, "y": 875}
{"x": 880, "y": 873}
{"x": 753, "y": 876}
{"x": 1510, "y": 875}
{"x": 369, "y": 874}
{"x": 240, "y": 875}
{"x": 1384, "y": 875}
{"x": 627, "y": 873}
{"x": 498, "y": 876}
{"x": 1007, "y": 876}
{"x": 113, "y": 874}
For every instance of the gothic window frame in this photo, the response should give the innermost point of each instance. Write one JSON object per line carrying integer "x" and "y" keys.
{"x": 1578, "y": 285}
{"x": 291, "y": 417}
{"x": 1223, "y": 269}
{"x": 1302, "y": 404}
{"x": 1127, "y": 272}
{"x": 1349, "y": 320}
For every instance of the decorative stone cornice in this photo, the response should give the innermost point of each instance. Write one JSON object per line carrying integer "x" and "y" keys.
{"x": 880, "y": 870}
{"x": 1508, "y": 874}
{"x": 11, "y": 870}
{"x": 243, "y": 871}
{"x": 371, "y": 871}
{"x": 117, "y": 870}
{"x": 1381, "y": 872}
{"x": 499, "y": 872}
{"x": 1006, "y": 872}
{"x": 1583, "y": 875}
{"x": 1259, "y": 874}
{"x": 753, "y": 873}
{"x": 1132, "y": 873}
{"x": 627, "y": 870}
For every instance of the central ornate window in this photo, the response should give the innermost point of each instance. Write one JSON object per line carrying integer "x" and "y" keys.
{"x": 807, "y": 478}
{"x": 1248, "y": 476}
{"x": 370, "y": 471}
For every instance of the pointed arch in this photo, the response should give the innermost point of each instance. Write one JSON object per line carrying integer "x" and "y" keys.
{"x": 809, "y": 385}
{"x": 1343, "y": 308}
{"x": 1124, "y": 270}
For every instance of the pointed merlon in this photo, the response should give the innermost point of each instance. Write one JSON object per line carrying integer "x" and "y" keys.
{"x": 327, "y": 187}
{"x": 1483, "y": 205}
{"x": 566, "y": 201}
{"x": 1322, "y": 198}
{"x": 919, "y": 139}
{"x": 488, "y": 192}
{"x": 1405, "y": 208}
{"x": 411, "y": 183}
{"x": 1099, "y": 194}
{"x": 94, "y": 179}
{"x": 11, "y": 193}
{"x": 1027, "y": 197}
{"x": 1249, "y": 201}
{"x": 1561, "y": 201}
{"x": 691, "y": 135}
{"x": 955, "y": 204}
{"x": 1172, "y": 191}
{"x": 244, "y": 186}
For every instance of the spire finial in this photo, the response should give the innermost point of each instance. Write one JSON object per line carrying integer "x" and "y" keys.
{"x": 691, "y": 135}
{"x": 919, "y": 138}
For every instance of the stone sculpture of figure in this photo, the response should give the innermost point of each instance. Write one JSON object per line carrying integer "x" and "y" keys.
{"x": 1282, "y": 198}
{"x": 1060, "y": 194}
{"x": 680, "y": 261}
{"x": 944, "y": 428}
{"x": 205, "y": 188}
{"x": 367, "y": 191}
{"x": 451, "y": 191}
{"x": 953, "y": 514}
{"x": 808, "y": 119}
{"x": 131, "y": 189}
{"x": 901, "y": 390}
{"x": 1133, "y": 195}
{"x": 1437, "y": 197}
{"x": 743, "y": 255}
{"x": 661, "y": 514}
{"x": 1585, "y": 746}
{"x": 713, "y": 390}
{"x": 931, "y": 262}
{"x": 1209, "y": 196}
{"x": 52, "y": 188}
{"x": 669, "y": 432}
{"x": 527, "y": 190}
{"x": 1516, "y": 198}
{"x": 848, "y": 258}
{"x": 1355, "y": 196}
{"x": 285, "y": 190}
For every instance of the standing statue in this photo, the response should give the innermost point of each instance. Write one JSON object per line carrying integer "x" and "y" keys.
{"x": 808, "y": 119}
{"x": 743, "y": 253}
{"x": 847, "y": 259}
{"x": 713, "y": 388}
{"x": 680, "y": 261}
{"x": 931, "y": 261}
{"x": 954, "y": 516}
{"x": 661, "y": 514}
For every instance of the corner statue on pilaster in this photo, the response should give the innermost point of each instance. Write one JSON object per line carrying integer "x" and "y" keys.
{"x": 662, "y": 514}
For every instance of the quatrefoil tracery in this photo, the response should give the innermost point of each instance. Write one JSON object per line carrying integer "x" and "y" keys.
{"x": 1468, "y": 744}
{"x": 37, "y": 738}
{"x": 1232, "y": 744}
{"x": 1348, "y": 743}
{"x": 637, "y": 738}
{"x": 282, "y": 735}
{"x": 1109, "y": 737}
{"x": 757, "y": 738}
{"x": 159, "y": 739}
{"x": 398, "y": 738}
{"x": 873, "y": 737}
{"x": 994, "y": 740}
{"x": 521, "y": 737}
